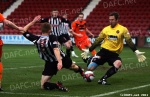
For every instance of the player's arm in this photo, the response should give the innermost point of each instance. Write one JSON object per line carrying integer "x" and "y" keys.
{"x": 36, "y": 19}
{"x": 73, "y": 30}
{"x": 9, "y": 23}
{"x": 43, "y": 20}
{"x": 29, "y": 35}
{"x": 129, "y": 42}
{"x": 97, "y": 41}
{"x": 87, "y": 30}
{"x": 58, "y": 57}
{"x": 66, "y": 21}
{"x": 56, "y": 50}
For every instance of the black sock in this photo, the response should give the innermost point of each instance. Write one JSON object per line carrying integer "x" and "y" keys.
{"x": 80, "y": 71}
{"x": 68, "y": 52}
{"x": 50, "y": 86}
{"x": 110, "y": 72}
{"x": 71, "y": 48}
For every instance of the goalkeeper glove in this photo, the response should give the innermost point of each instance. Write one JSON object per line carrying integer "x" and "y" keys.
{"x": 84, "y": 55}
{"x": 140, "y": 56}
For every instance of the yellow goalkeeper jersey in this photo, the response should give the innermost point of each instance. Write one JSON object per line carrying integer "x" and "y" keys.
{"x": 113, "y": 38}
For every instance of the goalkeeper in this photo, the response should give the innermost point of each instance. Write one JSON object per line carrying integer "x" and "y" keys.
{"x": 111, "y": 39}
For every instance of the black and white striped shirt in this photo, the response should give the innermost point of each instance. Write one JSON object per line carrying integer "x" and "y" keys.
{"x": 65, "y": 28}
{"x": 56, "y": 24}
{"x": 45, "y": 46}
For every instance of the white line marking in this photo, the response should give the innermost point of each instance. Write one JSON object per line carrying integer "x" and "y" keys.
{"x": 118, "y": 91}
{"x": 22, "y": 67}
{"x": 33, "y": 94}
{"x": 42, "y": 65}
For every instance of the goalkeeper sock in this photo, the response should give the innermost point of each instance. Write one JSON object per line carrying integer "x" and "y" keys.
{"x": 93, "y": 52}
{"x": 50, "y": 86}
{"x": 110, "y": 72}
{"x": 68, "y": 52}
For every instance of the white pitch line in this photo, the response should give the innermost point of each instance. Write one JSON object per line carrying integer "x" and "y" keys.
{"x": 22, "y": 67}
{"x": 118, "y": 91}
{"x": 33, "y": 94}
{"x": 42, "y": 66}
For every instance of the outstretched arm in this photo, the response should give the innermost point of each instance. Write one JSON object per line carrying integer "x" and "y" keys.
{"x": 9, "y": 23}
{"x": 58, "y": 57}
{"x": 36, "y": 19}
{"x": 97, "y": 42}
{"x": 94, "y": 45}
{"x": 128, "y": 40}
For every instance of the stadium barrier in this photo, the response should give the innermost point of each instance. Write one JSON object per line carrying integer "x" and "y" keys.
{"x": 20, "y": 39}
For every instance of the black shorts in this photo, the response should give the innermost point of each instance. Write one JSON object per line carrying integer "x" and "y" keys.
{"x": 106, "y": 56}
{"x": 51, "y": 67}
{"x": 63, "y": 38}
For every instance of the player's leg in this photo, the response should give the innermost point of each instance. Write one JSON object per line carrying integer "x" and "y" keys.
{"x": 67, "y": 63}
{"x": 50, "y": 69}
{"x": 94, "y": 61}
{"x": 1, "y": 65}
{"x": 72, "y": 50}
{"x": 116, "y": 64}
{"x": 88, "y": 43}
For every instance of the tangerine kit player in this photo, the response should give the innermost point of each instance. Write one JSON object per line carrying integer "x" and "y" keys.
{"x": 79, "y": 32}
{"x": 12, "y": 25}
{"x": 1, "y": 44}
{"x": 112, "y": 45}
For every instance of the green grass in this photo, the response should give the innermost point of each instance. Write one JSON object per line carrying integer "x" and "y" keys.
{"x": 23, "y": 68}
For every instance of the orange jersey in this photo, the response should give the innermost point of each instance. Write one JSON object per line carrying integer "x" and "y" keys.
{"x": 79, "y": 28}
{"x": 1, "y": 17}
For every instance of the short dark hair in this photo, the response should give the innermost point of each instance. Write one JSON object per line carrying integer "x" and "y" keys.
{"x": 45, "y": 27}
{"x": 55, "y": 9}
{"x": 64, "y": 14}
{"x": 80, "y": 14}
{"x": 115, "y": 14}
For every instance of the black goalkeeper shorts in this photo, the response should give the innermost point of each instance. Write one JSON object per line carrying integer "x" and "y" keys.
{"x": 51, "y": 67}
{"x": 106, "y": 56}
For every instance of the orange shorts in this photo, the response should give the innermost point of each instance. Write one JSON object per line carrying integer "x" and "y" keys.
{"x": 83, "y": 44}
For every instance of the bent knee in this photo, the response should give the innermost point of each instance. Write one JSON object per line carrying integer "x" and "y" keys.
{"x": 117, "y": 63}
{"x": 92, "y": 66}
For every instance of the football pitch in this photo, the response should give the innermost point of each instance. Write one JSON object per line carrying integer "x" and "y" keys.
{"x": 23, "y": 68}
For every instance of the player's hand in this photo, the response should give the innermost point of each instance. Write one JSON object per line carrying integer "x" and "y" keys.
{"x": 79, "y": 35}
{"x": 140, "y": 56}
{"x": 20, "y": 28}
{"x": 59, "y": 65}
{"x": 84, "y": 55}
{"x": 37, "y": 19}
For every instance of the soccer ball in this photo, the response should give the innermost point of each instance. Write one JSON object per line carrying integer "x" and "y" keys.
{"x": 89, "y": 76}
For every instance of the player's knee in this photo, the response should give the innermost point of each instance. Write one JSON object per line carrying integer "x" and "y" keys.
{"x": 67, "y": 45}
{"x": 117, "y": 64}
{"x": 92, "y": 66}
{"x": 74, "y": 66}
